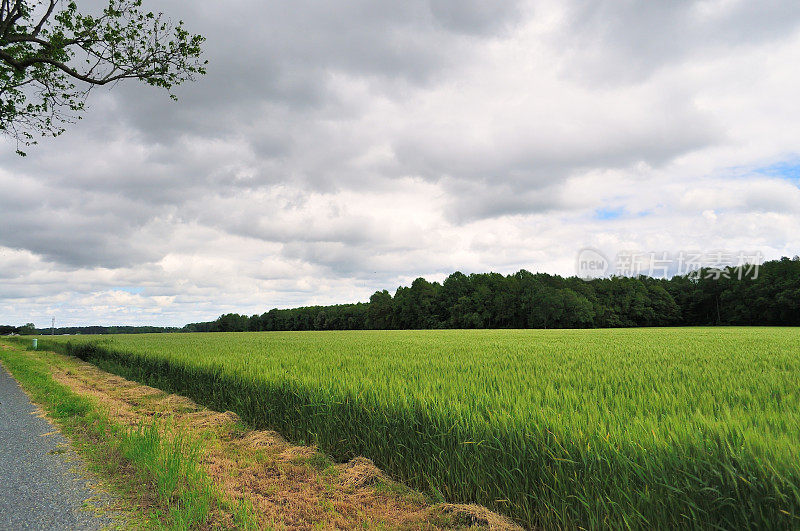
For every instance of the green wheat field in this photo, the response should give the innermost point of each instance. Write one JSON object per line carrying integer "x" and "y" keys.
{"x": 659, "y": 427}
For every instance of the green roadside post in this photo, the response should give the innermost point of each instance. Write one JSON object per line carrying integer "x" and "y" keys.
{"x": 35, "y": 343}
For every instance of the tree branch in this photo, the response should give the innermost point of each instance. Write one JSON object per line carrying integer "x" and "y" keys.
{"x": 44, "y": 18}
{"x": 44, "y": 49}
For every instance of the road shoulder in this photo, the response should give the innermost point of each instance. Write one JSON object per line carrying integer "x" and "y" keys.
{"x": 45, "y": 484}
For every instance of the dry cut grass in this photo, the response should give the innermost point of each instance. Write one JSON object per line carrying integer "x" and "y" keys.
{"x": 284, "y": 486}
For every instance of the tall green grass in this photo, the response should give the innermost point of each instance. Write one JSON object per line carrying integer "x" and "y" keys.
{"x": 692, "y": 427}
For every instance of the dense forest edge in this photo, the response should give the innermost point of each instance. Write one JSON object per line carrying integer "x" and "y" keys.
{"x": 768, "y": 295}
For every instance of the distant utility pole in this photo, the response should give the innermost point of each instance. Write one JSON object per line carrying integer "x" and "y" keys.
{"x": 53, "y": 327}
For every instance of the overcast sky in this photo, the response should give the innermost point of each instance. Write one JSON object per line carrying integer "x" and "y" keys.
{"x": 336, "y": 148}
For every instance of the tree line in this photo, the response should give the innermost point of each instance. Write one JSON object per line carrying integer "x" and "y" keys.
{"x": 30, "y": 329}
{"x": 768, "y": 295}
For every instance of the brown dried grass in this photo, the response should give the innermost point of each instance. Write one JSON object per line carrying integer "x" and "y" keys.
{"x": 287, "y": 486}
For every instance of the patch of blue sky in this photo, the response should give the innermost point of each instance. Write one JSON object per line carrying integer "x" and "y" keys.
{"x": 129, "y": 289}
{"x": 608, "y": 213}
{"x": 787, "y": 169}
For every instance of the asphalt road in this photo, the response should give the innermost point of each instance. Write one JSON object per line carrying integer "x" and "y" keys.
{"x": 41, "y": 483}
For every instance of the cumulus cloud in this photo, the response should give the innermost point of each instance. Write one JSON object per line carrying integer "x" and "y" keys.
{"x": 338, "y": 148}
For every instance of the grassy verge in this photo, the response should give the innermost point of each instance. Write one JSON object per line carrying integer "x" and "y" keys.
{"x": 154, "y": 469}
